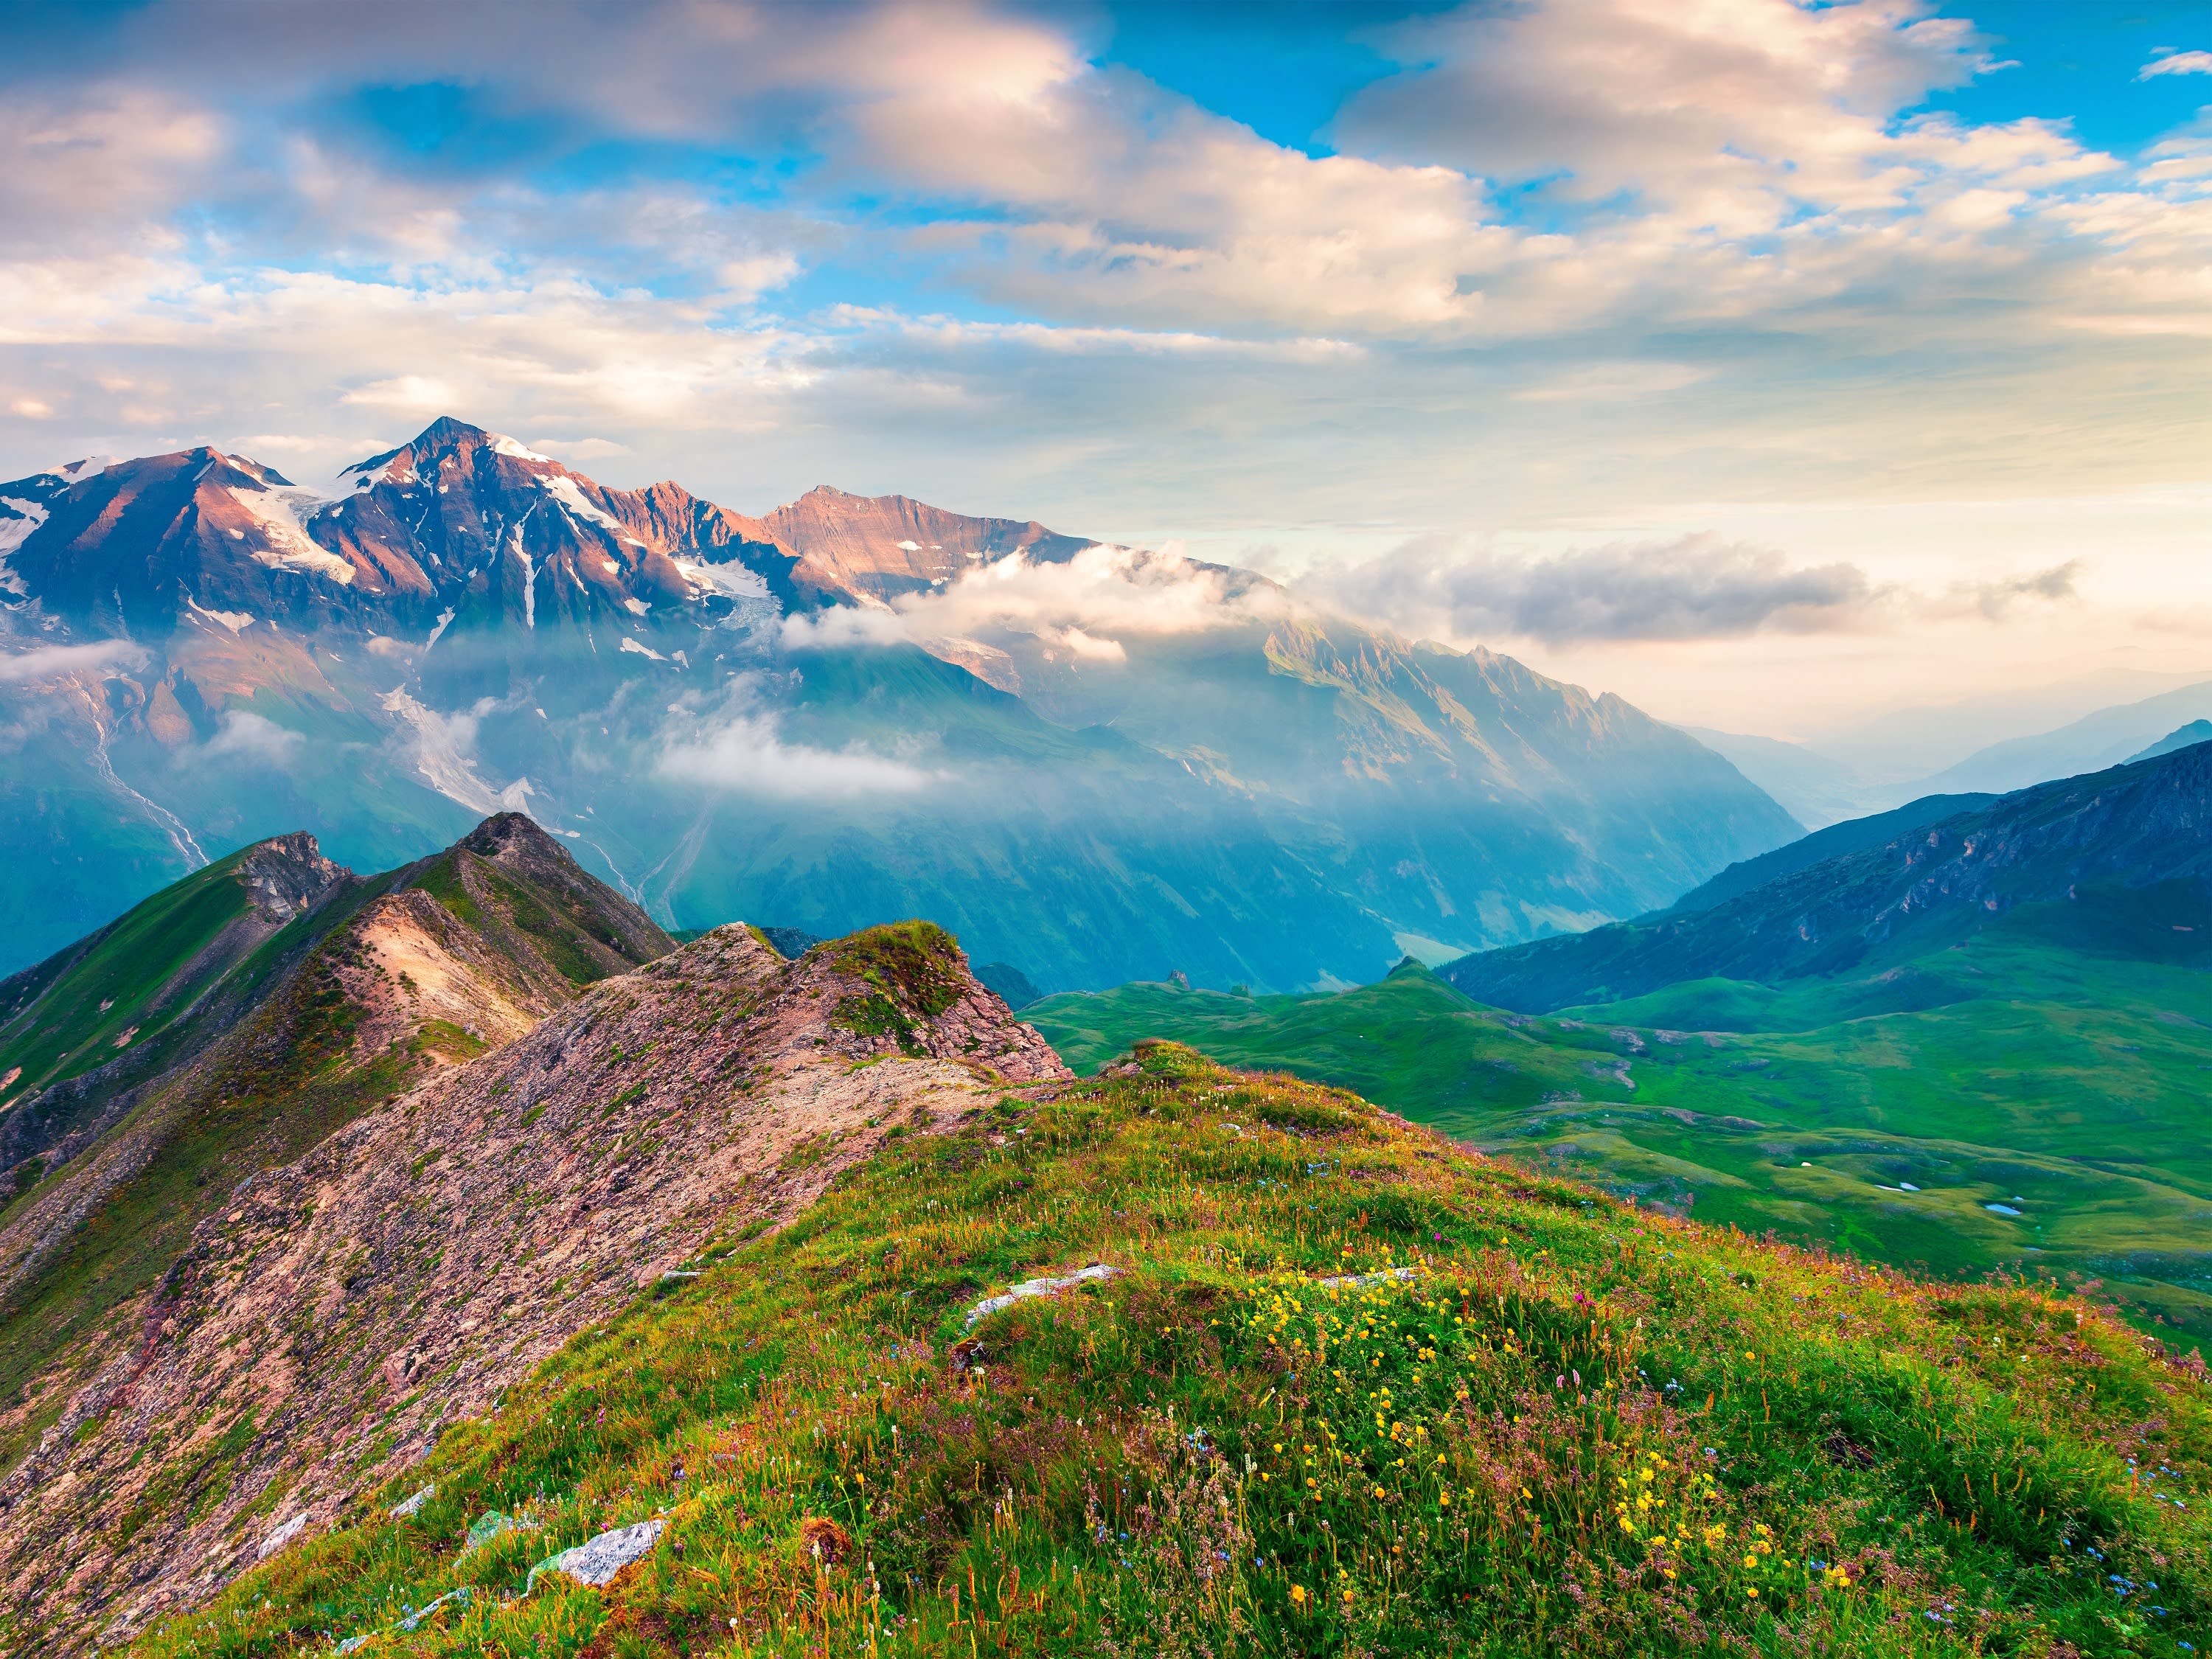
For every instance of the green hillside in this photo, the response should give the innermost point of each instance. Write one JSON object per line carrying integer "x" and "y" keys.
{"x": 1345, "y": 1391}
{"x": 1883, "y": 1116}
{"x": 123, "y": 985}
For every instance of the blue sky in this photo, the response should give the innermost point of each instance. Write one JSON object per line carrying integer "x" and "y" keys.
{"x": 1864, "y": 341}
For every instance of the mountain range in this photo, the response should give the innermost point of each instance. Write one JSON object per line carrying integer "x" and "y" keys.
{"x": 1883, "y": 762}
{"x": 2130, "y": 844}
{"x": 1094, "y": 761}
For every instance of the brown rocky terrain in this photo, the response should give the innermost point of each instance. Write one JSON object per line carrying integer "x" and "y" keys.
{"x": 881, "y": 546}
{"x": 341, "y": 992}
{"x": 323, "y": 1326}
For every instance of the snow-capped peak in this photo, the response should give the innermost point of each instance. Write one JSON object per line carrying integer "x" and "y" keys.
{"x": 503, "y": 444}
{"x": 76, "y": 472}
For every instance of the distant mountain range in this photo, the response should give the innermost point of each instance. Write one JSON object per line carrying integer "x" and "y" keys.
{"x": 2104, "y": 738}
{"x": 2185, "y": 737}
{"x": 1095, "y": 762}
{"x": 1817, "y": 784}
{"x": 2130, "y": 848}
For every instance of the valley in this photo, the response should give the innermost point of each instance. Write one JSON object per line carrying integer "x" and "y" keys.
{"x": 2007, "y": 1073}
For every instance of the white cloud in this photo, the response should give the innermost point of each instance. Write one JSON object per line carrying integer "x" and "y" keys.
{"x": 744, "y": 754}
{"x": 2178, "y": 63}
{"x": 46, "y": 662}
{"x": 252, "y": 736}
{"x": 1698, "y": 586}
{"x": 1695, "y": 588}
{"x": 1081, "y": 603}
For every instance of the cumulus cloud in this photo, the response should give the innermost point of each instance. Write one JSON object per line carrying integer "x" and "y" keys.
{"x": 1082, "y": 604}
{"x": 46, "y": 662}
{"x": 1139, "y": 288}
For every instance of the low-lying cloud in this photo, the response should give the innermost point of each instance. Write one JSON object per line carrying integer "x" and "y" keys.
{"x": 1993, "y": 598}
{"x": 1695, "y": 588}
{"x": 1084, "y": 604}
{"x": 252, "y": 736}
{"x": 46, "y": 662}
{"x": 744, "y": 754}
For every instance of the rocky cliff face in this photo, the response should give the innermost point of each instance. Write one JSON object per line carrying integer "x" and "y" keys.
{"x": 885, "y": 545}
{"x": 2131, "y": 829}
{"x": 336, "y": 1313}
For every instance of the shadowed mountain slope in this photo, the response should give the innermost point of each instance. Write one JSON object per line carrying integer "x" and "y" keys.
{"x": 1853, "y": 836}
{"x": 2125, "y": 852}
{"x": 2186, "y": 737}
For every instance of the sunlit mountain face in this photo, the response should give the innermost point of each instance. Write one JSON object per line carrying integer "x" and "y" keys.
{"x": 1095, "y": 762}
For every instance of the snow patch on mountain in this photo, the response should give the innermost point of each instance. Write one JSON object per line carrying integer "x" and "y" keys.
{"x": 529, "y": 576}
{"x": 733, "y": 579}
{"x": 629, "y": 644}
{"x": 236, "y": 621}
{"x": 441, "y": 759}
{"x": 277, "y": 512}
{"x": 562, "y": 489}
{"x": 503, "y": 444}
{"x": 73, "y": 473}
{"x": 15, "y": 531}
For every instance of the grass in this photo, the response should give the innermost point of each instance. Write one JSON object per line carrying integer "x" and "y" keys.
{"x": 1349, "y": 1391}
{"x": 2011, "y": 1069}
{"x": 123, "y": 979}
{"x": 910, "y": 966}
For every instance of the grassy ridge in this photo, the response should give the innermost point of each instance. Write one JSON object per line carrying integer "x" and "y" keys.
{"x": 1348, "y": 1391}
{"x": 2008, "y": 1070}
{"x": 71, "y": 1013}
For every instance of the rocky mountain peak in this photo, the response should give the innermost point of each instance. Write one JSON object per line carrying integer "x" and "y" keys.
{"x": 286, "y": 875}
{"x": 883, "y": 545}
{"x": 445, "y": 443}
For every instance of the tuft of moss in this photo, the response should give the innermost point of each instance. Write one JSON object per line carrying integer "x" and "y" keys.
{"x": 916, "y": 963}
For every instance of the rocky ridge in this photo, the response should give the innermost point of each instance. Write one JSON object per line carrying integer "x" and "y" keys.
{"x": 349, "y": 1002}
{"x": 53, "y": 1110}
{"x": 324, "y": 1326}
